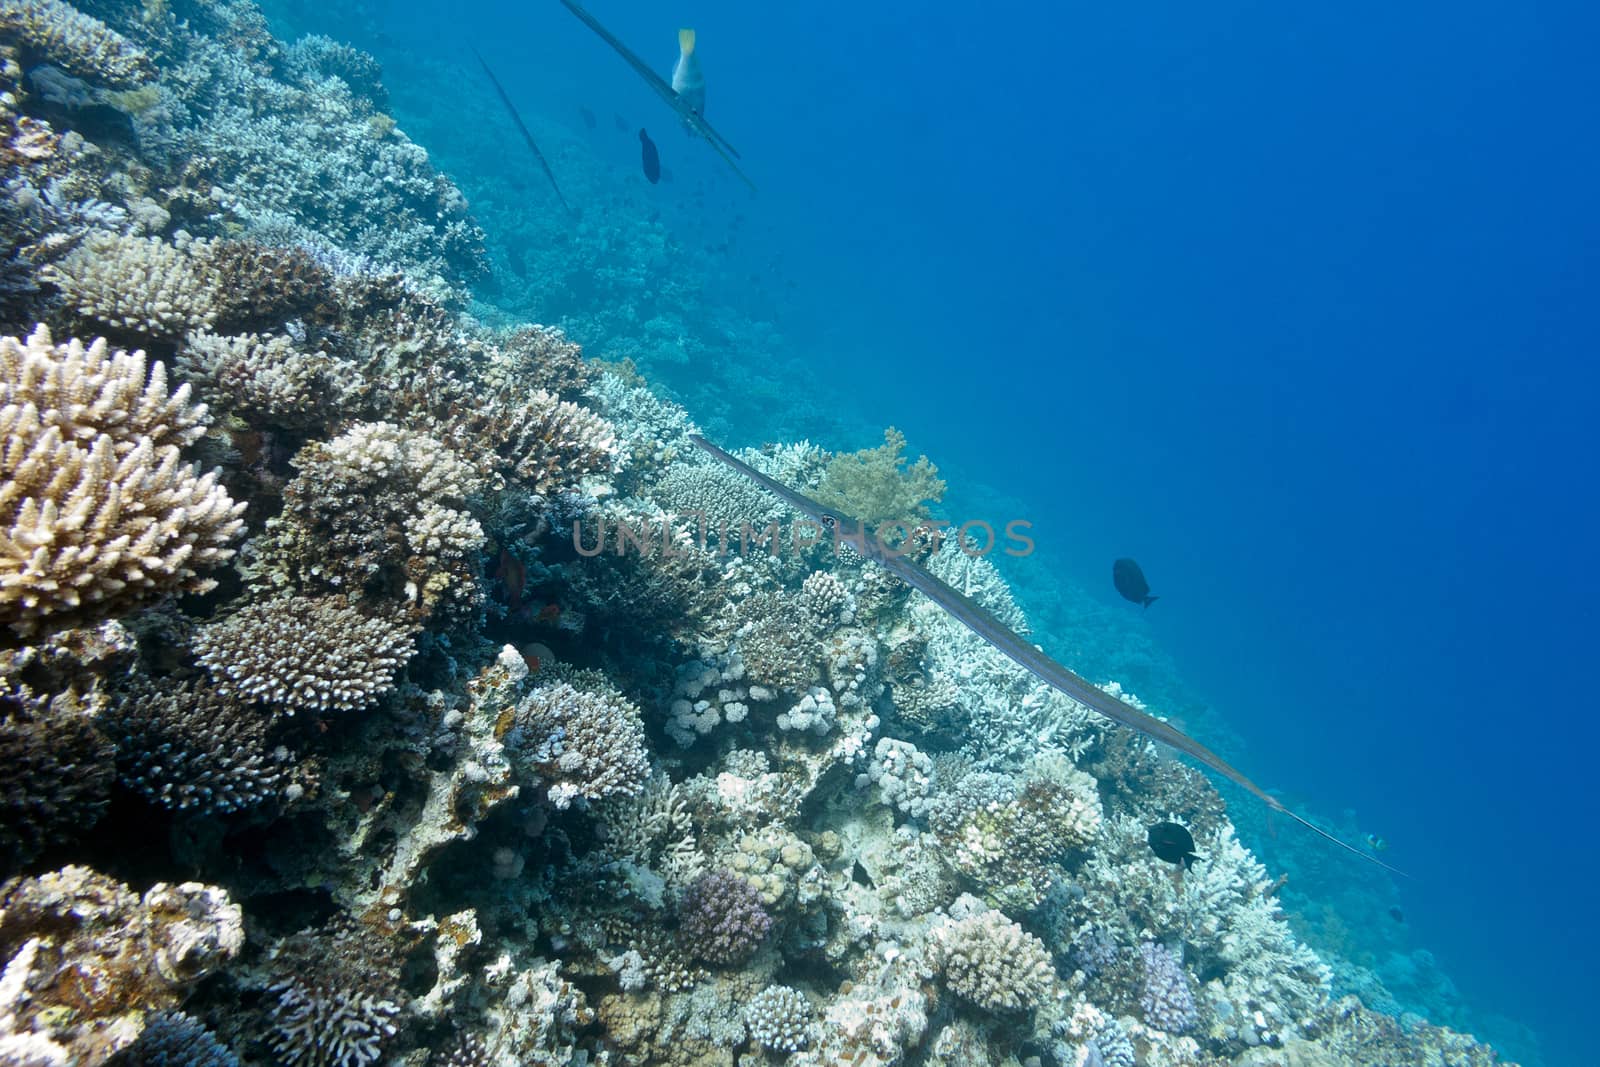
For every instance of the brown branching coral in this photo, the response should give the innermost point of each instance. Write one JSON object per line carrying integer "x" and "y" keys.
{"x": 875, "y": 485}
{"x": 98, "y": 514}
{"x": 261, "y": 288}
{"x": 267, "y": 378}
{"x": 304, "y": 654}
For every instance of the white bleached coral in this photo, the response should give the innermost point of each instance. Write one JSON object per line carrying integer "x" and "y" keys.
{"x": 583, "y": 744}
{"x": 991, "y": 961}
{"x": 141, "y": 284}
{"x": 98, "y": 513}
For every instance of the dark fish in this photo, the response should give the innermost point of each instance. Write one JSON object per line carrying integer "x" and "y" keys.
{"x": 652, "y": 158}
{"x": 622, "y": 123}
{"x": 1173, "y": 843}
{"x": 1003, "y": 639}
{"x": 588, "y": 118}
{"x": 1397, "y": 915}
{"x": 1130, "y": 582}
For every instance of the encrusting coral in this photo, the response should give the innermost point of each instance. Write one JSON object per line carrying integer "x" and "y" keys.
{"x": 98, "y": 513}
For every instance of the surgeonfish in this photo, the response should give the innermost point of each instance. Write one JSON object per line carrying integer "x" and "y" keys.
{"x": 651, "y": 158}
{"x": 1173, "y": 843}
{"x": 687, "y": 80}
{"x": 1130, "y": 582}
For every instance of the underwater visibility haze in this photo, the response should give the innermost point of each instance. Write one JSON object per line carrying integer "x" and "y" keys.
{"x": 395, "y": 668}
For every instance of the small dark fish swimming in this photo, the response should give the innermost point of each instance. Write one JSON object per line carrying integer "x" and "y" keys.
{"x": 1173, "y": 843}
{"x": 589, "y": 122}
{"x": 1129, "y": 580}
{"x": 652, "y": 158}
{"x": 1397, "y": 915}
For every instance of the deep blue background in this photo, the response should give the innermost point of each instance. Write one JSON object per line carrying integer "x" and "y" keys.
{"x": 1296, "y": 307}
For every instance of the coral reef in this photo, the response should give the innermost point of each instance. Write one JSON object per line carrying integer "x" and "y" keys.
{"x": 86, "y": 958}
{"x": 336, "y": 997}
{"x": 53, "y": 31}
{"x": 173, "y": 1039}
{"x": 57, "y": 779}
{"x": 190, "y": 749}
{"x": 448, "y": 676}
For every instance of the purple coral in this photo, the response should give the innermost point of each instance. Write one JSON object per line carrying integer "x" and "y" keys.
{"x": 1167, "y": 1001}
{"x": 720, "y": 918}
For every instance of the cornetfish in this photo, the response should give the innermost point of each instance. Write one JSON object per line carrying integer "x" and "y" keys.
{"x": 982, "y": 622}
{"x": 692, "y": 118}
{"x": 526, "y": 136}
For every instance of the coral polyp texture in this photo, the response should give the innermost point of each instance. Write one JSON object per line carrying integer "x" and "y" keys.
{"x": 301, "y": 654}
{"x": 441, "y": 724}
{"x": 98, "y": 513}
{"x": 190, "y": 749}
{"x": 721, "y": 919}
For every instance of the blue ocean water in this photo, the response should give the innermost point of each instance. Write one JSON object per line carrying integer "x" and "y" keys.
{"x": 1295, "y": 307}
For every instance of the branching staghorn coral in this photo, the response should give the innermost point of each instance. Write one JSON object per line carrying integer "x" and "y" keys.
{"x": 304, "y": 654}
{"x": 138, "y": 284}
{"x": 98, "y": 514}
{"x": 53, "y": 31}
